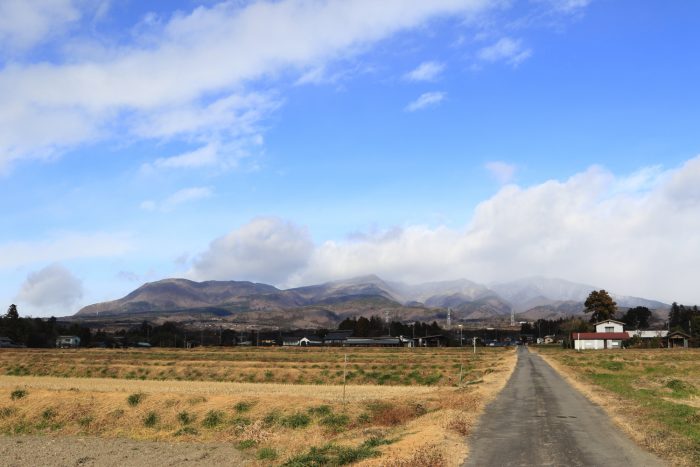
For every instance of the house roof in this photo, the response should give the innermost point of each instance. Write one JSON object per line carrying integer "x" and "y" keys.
{"x": 585, "y": 336}
{"x": 373, "y": 340}
{"x": 679, "y": 334}
{"x": 337, "y": 335}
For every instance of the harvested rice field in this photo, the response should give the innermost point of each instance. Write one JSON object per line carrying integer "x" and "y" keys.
{"x": 275, "y": 406}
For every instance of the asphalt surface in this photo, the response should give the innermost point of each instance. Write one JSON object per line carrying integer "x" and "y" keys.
{"x": 541, "y": 420}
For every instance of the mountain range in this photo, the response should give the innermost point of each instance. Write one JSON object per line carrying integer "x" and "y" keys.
{"x": 327, "y": 304}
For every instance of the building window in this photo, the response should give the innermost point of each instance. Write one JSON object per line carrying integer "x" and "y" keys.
{"x": 609, "y": 329}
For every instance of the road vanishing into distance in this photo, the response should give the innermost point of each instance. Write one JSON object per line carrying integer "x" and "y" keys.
{"x": 541, "y": 420}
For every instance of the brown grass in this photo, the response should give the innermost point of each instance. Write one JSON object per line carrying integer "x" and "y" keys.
{"x": 417, "y": 419}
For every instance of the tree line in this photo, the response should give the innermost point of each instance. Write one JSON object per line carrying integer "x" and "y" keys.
{"x": 38, "y": 332}
{"x": 684, "y": 318}
{"x": 374, "y": 326}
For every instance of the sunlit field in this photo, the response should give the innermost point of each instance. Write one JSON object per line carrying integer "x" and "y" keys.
{"x": 381, "y": 366}
{"x": 653, "y": 393}
{"x": 279, "y": 406}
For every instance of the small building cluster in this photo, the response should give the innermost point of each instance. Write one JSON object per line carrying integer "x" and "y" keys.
{"x": 343, "y": 339}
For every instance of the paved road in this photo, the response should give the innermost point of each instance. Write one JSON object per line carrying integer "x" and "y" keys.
{"x": 541, "y": 420}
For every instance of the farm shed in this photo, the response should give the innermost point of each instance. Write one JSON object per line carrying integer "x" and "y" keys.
{"x": 678, "y": 339}
{"x": 437, "y": 340}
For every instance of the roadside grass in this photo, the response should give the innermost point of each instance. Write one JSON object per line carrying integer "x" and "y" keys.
{"x": 272, "y": 424}
{"x": 655, "y": 390}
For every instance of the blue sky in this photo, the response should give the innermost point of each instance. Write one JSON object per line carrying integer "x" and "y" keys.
{"x": 291, "y": 142}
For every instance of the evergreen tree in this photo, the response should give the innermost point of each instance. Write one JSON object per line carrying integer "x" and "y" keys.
{"x": 601, "y": 306}
{"x": 637, "y": 317}
{"x": 12, "y": 312}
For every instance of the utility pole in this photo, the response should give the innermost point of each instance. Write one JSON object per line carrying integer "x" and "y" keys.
{"x": 474, "y": 343}
{"x": 461, "y": 340}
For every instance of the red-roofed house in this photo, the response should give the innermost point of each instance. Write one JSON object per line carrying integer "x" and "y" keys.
{"x": 608, "y": 334}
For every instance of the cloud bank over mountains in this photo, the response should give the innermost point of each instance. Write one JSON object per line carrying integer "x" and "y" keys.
{"x": 595, "y": 227}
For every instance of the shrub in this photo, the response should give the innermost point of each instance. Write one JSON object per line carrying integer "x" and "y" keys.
{"x": 18, "y": 394}
{"x": 135, "y": 399}
{"x": 247, "y": 444}
{"x": 332, "y": 454}
{"x": 243, "y": 406}
{"x": 186, "y": 430}
{"x": 295, "y": 420}
{"x": 48, "y": 414}
{"x": 272, "y": 418}
{"x": 213, "y": 418}
{"x": 267, "y": 454}
{"x": 85, "y": 421}
{"x": 391, "y": 415}
{"x": 321, "y": 410}
{"x": 185, "y": 418}
{"x": 364, "y": 418}
{"x": 680, "y": 388}
{"x": 150, "y": 420}
{"x": 335, "y": 422}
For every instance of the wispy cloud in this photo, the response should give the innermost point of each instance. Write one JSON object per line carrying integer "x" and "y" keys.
{"x": 567, "y": 6}
{"x": 426, "y": 71}
{"x": 425, "y": 100}
{"x": 185, "y": 195}
{"x": 501, "y": 171}
{"x": 64, "y": 246}
{"x": 178, "y": 81}
{"x": 506, "y": 49}
{"x": 27, "y": 23}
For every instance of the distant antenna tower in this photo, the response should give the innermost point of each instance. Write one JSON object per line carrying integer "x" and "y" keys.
{"x": 449, "y": 318}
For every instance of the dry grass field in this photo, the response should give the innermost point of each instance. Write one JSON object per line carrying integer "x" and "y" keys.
{"x": 399, "y": 366}
{"x": 652, "y": 394}
{"x": 408, "y": 410}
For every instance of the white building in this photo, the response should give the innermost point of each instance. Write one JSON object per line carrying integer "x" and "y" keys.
{"x": 608, "y": 334}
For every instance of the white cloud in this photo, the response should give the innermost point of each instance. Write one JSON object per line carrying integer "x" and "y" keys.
{"x": 507, "y": 50}
{"x": 185, "y": 195}
{"x": 633, "y": 238}
{"x": 51, "y": 289}
{"x": 501, "y": 171}
{"x": 428, "y": 99}
{"x": 426, "y": 71}
{"x": 26, "y": 23}
{"x": 265, "y": 250}
{"x": 64, "y": 246}
{"x": 205, "y": 156}
{"x": 160, "y": 87}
